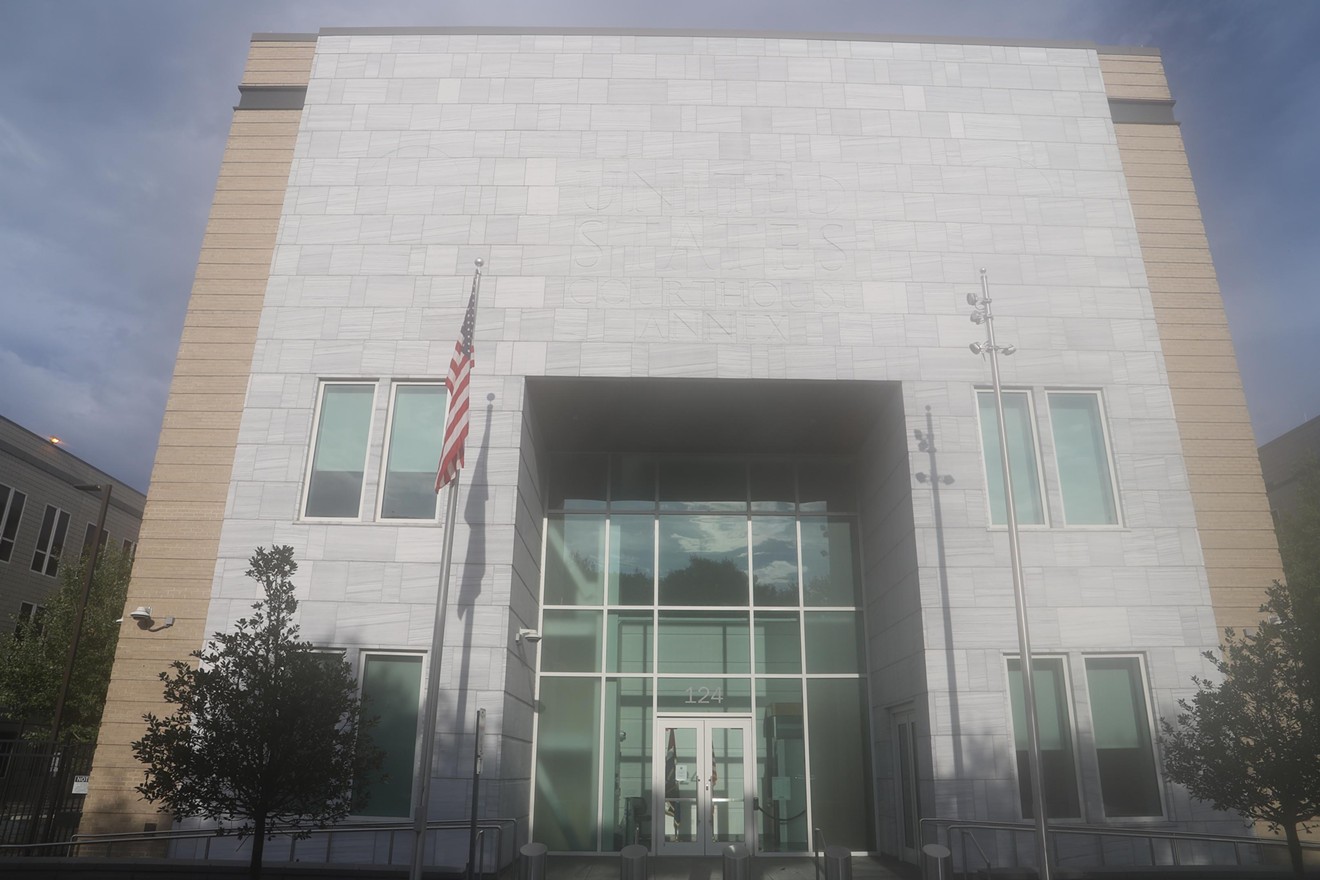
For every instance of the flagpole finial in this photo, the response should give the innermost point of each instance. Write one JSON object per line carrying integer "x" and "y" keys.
{"x": 480, "y": 262}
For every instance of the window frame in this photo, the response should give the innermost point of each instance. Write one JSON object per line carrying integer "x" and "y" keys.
{"x": 385, "y": 452}
{"x": 29, "y": 611}
{"x": 308, "y": 471}
{"x": 1152, "y": 732}
{"x": 55, "y": 539}
{"x": 1106, "y": 437}
{"x": 1068, "y": 699}
{"x": 89, "y": 535}
{"x": 1041, "y": 488}
{"x": 14, "y": 504}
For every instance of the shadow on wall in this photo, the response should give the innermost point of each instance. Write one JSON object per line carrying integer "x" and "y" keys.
{"x": 936, "y": 480}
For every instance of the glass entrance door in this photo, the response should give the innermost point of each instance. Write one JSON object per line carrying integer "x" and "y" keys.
{"x": 702, "y": 783}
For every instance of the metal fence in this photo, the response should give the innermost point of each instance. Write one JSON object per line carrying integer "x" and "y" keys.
{"x": 42, "y": 788}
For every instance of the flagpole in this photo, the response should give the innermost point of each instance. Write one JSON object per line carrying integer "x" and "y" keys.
{"x": 420, "y": 813}
{"x": 457, "y": 395}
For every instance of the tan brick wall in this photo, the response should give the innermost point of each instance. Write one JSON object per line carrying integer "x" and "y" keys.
{"x": 190, "y": 480}
{"x": 1232, "y": 512}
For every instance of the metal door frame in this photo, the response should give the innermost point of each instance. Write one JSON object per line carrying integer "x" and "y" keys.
{"x": 703, "y": 724}
{"x": 909, "y": 789}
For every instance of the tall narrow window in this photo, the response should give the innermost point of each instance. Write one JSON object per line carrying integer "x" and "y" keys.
{"x": 1129, "y": 783}
{"x": 90, "y": 535}
{"x": 342, "y": 425}
{"x": 416, "y": 431}
{"x": 28, "y": 612}
{"x": 50, "y": 541}
{"x": 1022, "y": 455}
{"x": 11, "y": 513}
{"x": 391, "y": 689}
{"x": 1083, "y": 455}
{"x": 1058, "y": 767}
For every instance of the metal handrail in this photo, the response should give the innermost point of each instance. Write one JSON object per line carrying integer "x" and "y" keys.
{"x": 962, "y": 839}
{"x": 963, "y": 830}
{"x": 209, "y": 834}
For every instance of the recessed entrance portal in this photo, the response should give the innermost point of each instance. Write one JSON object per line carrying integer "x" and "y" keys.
{"x": 702, "y": 781}
{"x": 701, "y": 680}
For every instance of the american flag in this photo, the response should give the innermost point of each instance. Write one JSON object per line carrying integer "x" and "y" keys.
{"x": 456, "y": 383}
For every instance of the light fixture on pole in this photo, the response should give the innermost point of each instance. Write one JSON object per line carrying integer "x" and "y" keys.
{"x": 981, "y": 314}
{"x": 89, "y": 571}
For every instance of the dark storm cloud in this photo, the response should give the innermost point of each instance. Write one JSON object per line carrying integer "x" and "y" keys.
{"x": 114, "y": 118}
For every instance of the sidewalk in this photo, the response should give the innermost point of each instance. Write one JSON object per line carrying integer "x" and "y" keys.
{"x": 606, "y": 867}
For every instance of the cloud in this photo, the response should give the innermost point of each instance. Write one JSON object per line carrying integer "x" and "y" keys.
{"x": 105, "y": 425}
{"x": 17, "y": 153}
{"x": 110, "y": 149}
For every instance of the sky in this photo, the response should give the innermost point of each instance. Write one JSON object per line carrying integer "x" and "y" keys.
{"x": 113, "y": 119}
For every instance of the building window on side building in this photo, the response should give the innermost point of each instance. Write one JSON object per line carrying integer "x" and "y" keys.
{"x": 1058, "y": 762}
{"x": 391, "y": 691}
{"x": 1023, "y": 455}
{"x": 130, "y": 549}
{"x": 29, "y": 613}
{"x": 339, "y": 450}
{"x": 1081, "y": 449}
{"x": 1124, "y": 751}
{"x": 90, "y": 535}
{"x": 50, "y": 541}
{"x": 11, "y": 513}
{"x": 413, "y": 438}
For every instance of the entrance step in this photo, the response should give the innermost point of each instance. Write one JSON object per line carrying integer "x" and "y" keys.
{"x": 606, "y": 867}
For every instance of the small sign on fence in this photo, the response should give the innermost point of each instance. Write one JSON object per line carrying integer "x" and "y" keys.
{"x": 80, "y": 784}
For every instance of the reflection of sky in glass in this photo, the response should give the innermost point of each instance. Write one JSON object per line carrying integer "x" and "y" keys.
{"x": 632, "y": 559}
{"x": 573, "y": 557}
{"x": 712, "y": 537}
{"x": 828, "y": 575}
{"x": 774, "y": 561}
{"x": 341, "y": 441}
{"x": 703, "y": 560}
{"x": 1079, "y": 444}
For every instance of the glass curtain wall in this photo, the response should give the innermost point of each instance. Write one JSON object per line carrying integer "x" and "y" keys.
{"x": 700, "y": 585}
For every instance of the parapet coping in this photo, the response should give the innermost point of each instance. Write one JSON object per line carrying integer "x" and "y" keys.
{"x": 696, "y": 32}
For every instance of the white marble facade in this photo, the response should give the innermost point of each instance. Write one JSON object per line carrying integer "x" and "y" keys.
{"x": 729, "y": 207}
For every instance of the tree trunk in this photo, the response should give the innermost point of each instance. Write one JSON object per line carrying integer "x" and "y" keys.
{"x": 259, "y": 845}
{"x": 1294, "y": 849}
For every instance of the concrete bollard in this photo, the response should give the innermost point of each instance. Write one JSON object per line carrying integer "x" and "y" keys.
{"x": 531, "y": 864}
{"x": 632, "y": 862}
{"x": 838, "y": 863}
{"x": 737, "y": 862}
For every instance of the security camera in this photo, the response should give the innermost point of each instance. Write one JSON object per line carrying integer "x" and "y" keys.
{"x": 528, "y": 635}
{"x": 142, "y": 612}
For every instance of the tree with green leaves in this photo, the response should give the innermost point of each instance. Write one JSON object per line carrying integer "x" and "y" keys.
{"x": 268, "y": 731}
{"x": 1249, "y": 742}
{"x": 33, "y": 654}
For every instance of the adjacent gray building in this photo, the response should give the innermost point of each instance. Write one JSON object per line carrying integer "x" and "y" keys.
{"x": 45, "y": 518}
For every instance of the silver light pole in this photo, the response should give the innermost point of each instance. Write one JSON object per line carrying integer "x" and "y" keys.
{"x": 981, "y": 314}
